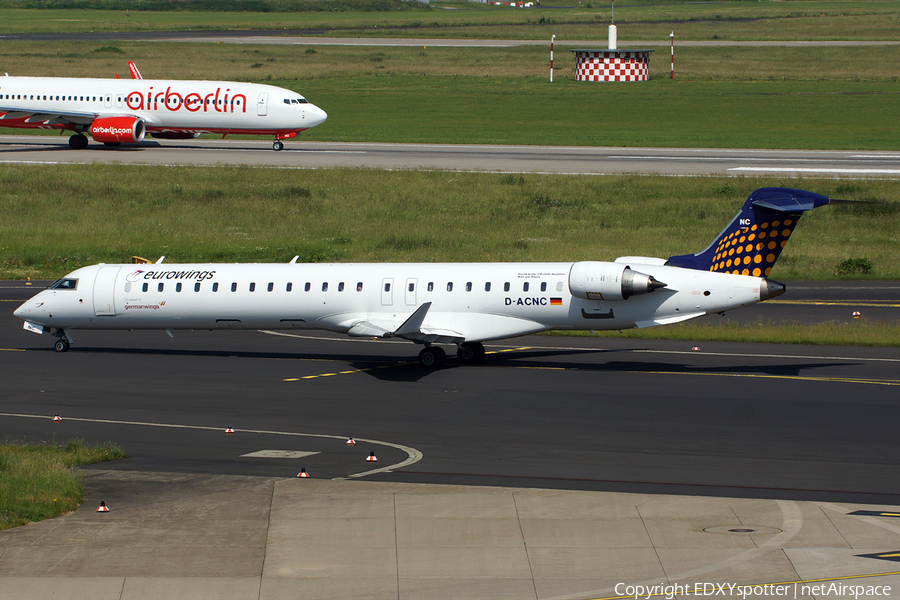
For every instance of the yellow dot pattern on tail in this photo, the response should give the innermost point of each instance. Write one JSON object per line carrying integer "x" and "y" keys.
{"x": 753, "y": 250}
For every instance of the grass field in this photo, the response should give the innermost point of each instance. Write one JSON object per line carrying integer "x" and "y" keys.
{"x": 828, "y": 98}
{"x": 798, "y": 19}
{"x": 60, "y": 217}
{"x": 41, "y": 481}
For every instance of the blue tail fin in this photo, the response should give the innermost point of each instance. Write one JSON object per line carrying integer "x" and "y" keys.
{"x": 752, "y": 242}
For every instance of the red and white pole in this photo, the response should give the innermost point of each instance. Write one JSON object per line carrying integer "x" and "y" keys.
{"x": 552, "y": 37}
{"x": 672, "y": 37}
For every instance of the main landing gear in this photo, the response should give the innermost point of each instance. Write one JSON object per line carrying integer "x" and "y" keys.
{"x": 78, "y": 141}
{"x": 433, "y": 357}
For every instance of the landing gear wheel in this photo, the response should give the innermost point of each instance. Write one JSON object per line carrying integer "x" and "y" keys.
{"x": 78, "y": 141}
{"x": 277, "y": 145}
{"x": 470, "y": 352}
{"x": 432, "y": 357}
{"x": 61, "y": 345}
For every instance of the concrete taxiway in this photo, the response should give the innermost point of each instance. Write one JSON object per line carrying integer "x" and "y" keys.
{"x": 578, "y": 160}
{"x": 228, "y": 537}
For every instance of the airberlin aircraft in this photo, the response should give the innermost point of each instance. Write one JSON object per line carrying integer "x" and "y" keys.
{"x": 116, "y": 111}
{"x": 463, "y": 304}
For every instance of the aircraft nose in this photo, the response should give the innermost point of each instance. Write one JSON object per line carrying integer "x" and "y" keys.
{"x": 317, "y": 115}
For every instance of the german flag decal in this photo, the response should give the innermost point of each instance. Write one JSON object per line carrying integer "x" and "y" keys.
{"x": 555, "y": 301}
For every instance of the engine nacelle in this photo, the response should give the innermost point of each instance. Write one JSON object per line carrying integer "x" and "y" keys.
{"x": 115, "y": 130}
{"x": 609, "y": 281}
{"x": 175, "y": 135}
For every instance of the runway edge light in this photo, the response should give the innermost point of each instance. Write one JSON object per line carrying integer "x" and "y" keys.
{"x": 229, "y": 431}
{"x": 102, "y": 507}
{"x": 56, "y": 419}
{"x": 302, "y": 473}
{"x": 351, "y": 442}
{"x": 371, "y": 457}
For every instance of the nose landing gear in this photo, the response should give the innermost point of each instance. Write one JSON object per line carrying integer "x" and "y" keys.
{"x": 62, "y": 344}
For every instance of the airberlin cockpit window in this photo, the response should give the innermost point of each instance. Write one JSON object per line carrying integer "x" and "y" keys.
{"x": 64, "y": 284}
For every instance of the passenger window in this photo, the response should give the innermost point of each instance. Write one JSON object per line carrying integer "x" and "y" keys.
{"x": 144, "y": 287}
{"x": 430, "y": 286}
{"x": 197, "y": 287}
{"x": 359, "y": 286}
{"x": 160, "y": 286}
{"x": 178, "y": 287}
{"x": 216, "y": 287}
{"x": 341, "y": 286}
{"x": 234, "y": 286}
{"x": 468, "y": 286}
{"x": 412, "y": 287}
{"x": 487, "y": 286}
{"x": 506, "y": 287}
{"x": 307, "y": 287}
{"x": 449, "y": 286}
{"x": 543, "y": 286}
{"x": 387, "y": 287}
{"x": 525, "y": 287}
{"x": 271, "y": 286}
{"x": 253, "y": 287}
{"x": 289, "y": 287}
{"x": 325, "y": 287}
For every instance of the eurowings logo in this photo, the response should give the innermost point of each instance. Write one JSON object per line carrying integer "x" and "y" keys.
{"x": 135, "y": 276}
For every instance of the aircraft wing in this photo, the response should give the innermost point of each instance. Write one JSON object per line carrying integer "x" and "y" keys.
{"x": 43, "y": 117}
{"x": 411, "y": 329}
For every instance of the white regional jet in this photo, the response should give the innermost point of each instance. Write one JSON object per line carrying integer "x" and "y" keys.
{"x": 115, "y": 111}
{"x": 455, "y": 303}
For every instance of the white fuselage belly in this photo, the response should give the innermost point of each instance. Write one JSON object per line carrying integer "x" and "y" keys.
{"x": 164, "y": 105}
{"x": 338, "y": 296}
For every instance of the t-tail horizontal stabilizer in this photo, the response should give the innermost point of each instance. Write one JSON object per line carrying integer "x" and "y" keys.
{"x": 752, "y": 242}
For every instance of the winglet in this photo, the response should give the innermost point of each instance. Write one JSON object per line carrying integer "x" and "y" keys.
{"x": 413, "y": 324}
{"x": 135, "y": 74}
{"x": 753, "y": 241}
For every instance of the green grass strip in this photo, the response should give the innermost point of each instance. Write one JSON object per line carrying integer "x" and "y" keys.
{"x": 40, "y": 482}
{"x": 830, "y": 333}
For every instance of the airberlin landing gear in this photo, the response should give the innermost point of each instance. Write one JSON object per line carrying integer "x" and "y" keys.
{"x": 470, "y": 353}
{"x": 62, "y": 344}
{"x": 78, "y": 141}
{"x": 432, "y": 357}
{"x": 277, "y": 145}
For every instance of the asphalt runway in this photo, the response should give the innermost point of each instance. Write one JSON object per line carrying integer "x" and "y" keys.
{"x": 744, "y": 420}
{"x": 44, "y": 149}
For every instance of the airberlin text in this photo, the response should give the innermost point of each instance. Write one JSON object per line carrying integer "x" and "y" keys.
{"x": 669, "y": 591}
{"x": 191, "y": 102}
{"x": 526, "y": 301}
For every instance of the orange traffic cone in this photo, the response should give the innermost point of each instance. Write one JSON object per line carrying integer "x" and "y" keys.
{"x": 56, "y": 419}
{"x": 229, "y": 431}
{"x": 351, "y": 442}
{"x": 303, "y": 473}
{"x": 371, "y": 457}
{"x": 102, "y": 507}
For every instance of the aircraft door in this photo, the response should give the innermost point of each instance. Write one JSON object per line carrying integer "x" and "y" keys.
{"x": 105, "y": 291}
{"x": 387, "y": 291}
{"x": 107, "y": 101}
{"x": 119, "y": 101}
{"x": 262, "y": 105}
{"x": 411, "y": 292}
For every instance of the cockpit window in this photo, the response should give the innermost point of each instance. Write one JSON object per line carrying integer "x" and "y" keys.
{"x": 64, "y": 284}
{"x": 296, "y": 101}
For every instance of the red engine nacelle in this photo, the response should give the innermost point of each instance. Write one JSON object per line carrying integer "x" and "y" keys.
{"x": 114, "y": 130}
